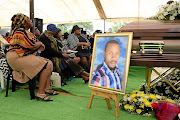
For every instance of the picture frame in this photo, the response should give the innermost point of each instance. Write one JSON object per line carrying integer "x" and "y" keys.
{"x": 109, "y": 72}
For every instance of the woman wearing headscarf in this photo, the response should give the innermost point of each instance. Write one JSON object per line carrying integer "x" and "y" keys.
{"x": 22, "y": 58}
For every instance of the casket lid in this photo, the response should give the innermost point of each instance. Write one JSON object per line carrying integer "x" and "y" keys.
{"x": 153, "y": 28}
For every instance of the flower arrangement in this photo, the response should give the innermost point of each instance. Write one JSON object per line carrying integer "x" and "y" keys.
{"x": 140, "y": 103}
{"x": 164, "y": 89}
{"x": 169, "y": 11}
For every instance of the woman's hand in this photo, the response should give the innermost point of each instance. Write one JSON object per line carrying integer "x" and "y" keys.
{"x": 42, "y": 47}
{"x": 65, "y": 55}
{"x": 87, "y": 44}
{"x": 68, "y": 51}
{"x": 39, "y": 45}
{"x": 85, "y": 47}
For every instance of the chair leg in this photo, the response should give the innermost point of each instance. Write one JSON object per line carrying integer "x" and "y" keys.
{"x": 7, "y": 87}
{"x": 13, "y": 85}
{"x": 32, "y": 85}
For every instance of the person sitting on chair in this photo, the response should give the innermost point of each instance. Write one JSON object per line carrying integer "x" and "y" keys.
{"x": 22, "y": 58}
{"x": 60, "y": 60}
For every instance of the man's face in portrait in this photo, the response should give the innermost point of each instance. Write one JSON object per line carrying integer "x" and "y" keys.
{"x": 111, "y": 55}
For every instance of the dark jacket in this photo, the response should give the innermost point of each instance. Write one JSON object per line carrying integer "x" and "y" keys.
{"x": 48, "y": 52}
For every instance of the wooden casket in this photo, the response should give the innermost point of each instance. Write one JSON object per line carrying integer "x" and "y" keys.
{"x": 167, "y": 33}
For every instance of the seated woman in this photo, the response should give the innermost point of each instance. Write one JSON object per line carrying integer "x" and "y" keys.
{"x": 78, "y": 42}
{"x": 53, "y": 53}
{"x": 22, "y": 58}
{"x": 62, "y": 46}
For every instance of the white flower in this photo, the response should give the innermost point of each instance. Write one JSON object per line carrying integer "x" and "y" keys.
{"x": 158, "y": 97}
{"x": 146, "y": 96}
{"x": 161, "y": 17}
{"x": 120, "y": 104}
{"x": 167, "y": 91}
{"x": 129, "y": 98}
{"x": 179, "y": 115}
{"x": 159, "y": 84}
{"x": 141, "y": 99}
{"x": 156, "y": 91}
{"x": 125, "y": 98}
{"x": 165, "y": 13}
{"x": 175, "y": 14}
{"x": 168, "y": 87}
{"x": 179, "y": 11}
{"x": 169, "y": 9}
{"x": 138, "y": 94}
{"x": 171, "y": 18}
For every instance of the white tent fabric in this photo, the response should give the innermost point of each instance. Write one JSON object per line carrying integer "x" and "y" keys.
{"x": 65, "y": 11}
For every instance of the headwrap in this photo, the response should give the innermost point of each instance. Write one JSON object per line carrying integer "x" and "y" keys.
{"x": 18, "y": 20}
{"x": 52, "y": 27}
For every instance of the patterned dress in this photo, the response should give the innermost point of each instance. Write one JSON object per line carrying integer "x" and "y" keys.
{"x": 3, "y": 65}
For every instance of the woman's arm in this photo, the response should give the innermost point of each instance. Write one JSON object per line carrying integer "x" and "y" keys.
{"x": 38, "y": 45}
{"x": 48, "y": 49}
{"x": 83, "y": 43}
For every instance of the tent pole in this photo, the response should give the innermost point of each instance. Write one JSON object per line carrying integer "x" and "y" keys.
{"x": 31, "y": 3}
{"x": 138, "y": 8}
{"x": 104, "y": 24}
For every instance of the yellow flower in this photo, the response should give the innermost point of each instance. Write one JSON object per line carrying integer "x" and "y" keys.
{"x": 145, "y": 100}
{"x": 131, "y": 107}
{"x": 148, "y": 104}
{"x": 135, "y": 100}
{"x": 172, "y": 101}
{"x": 152, "y": 96}
{"x": 141, "y": 106}
{"x": 177, "y": 96}
{"x": 126, "y": 106}
{"x": 136, "y": 91}
{"x": 133, "y": 95}
{"x": 149, "y": 115}
{"x": 141, "y": 92}
{"x": 142, "y": 95}
{"x": 127, "y": 95}
{"x": 138, "y": 111}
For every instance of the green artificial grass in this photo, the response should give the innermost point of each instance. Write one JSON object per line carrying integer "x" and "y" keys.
{"x": 18, "y": 106}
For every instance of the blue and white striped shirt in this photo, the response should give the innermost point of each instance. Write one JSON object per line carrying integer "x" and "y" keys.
{"x": 103, "y": 76}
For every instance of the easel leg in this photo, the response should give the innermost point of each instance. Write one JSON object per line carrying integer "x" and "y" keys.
{"x": 91, "y": 99}
{"x": 108, "y": 103}
{"x": 116, "y": 106}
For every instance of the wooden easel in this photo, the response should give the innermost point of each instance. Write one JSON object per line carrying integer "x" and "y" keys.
{"x": 107, "y": 96}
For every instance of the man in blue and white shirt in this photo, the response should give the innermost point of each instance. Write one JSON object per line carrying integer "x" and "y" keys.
{"x": 107, "y": 74}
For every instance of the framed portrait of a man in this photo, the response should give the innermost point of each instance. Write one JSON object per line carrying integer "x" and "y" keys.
{"x": 110, "y": 62}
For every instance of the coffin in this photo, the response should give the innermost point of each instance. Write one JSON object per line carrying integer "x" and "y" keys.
{"x": 167, "y": 32}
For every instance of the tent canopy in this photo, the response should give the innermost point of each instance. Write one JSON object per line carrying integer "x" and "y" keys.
{"x": 65, "y": 11}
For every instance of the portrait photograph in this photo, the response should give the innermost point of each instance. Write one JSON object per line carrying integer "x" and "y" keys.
{"x": 110, "y": 62}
